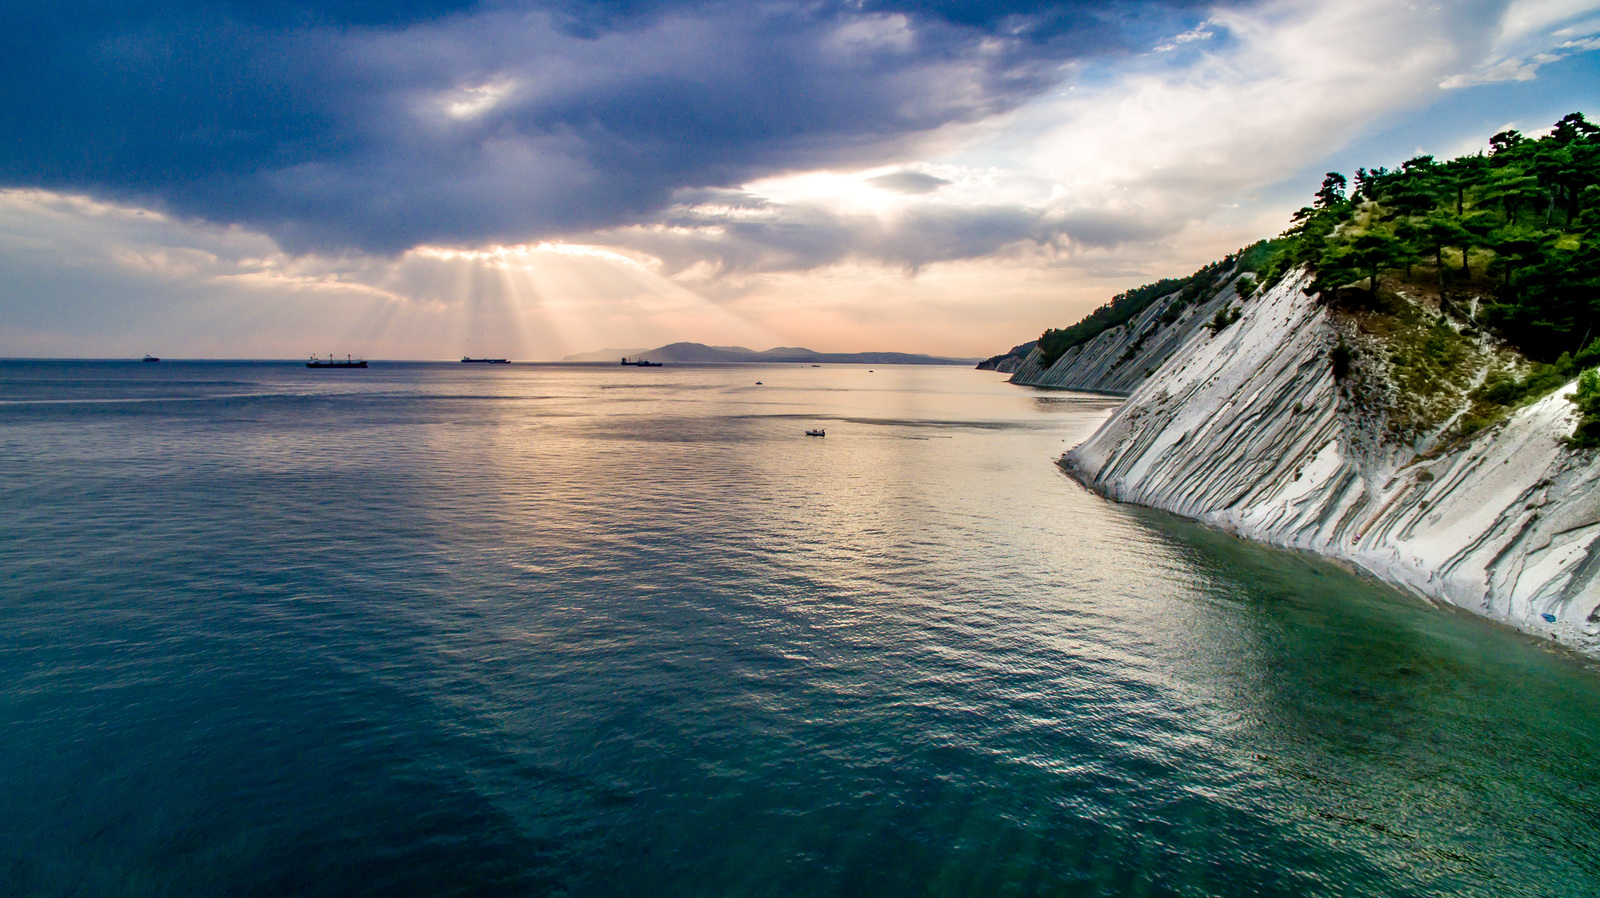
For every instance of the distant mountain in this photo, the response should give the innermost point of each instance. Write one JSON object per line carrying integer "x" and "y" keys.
{"x": 692, "y": 353}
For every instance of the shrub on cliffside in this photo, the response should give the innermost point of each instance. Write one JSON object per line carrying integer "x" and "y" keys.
{"x": 1224, "y": 317}
{"x": 1588, "y": 401}
{"x": 1504, "y": 391}
{"x": 1340, "y": 357}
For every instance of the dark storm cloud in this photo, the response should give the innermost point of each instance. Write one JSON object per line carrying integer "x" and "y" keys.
{"x": 378, "y": 126}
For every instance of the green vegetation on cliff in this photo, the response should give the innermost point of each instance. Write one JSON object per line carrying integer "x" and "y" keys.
{"x": 1424, "y": 264}
{"x": 1510, "y": 240}
{"x": 1507, "y": 242}
{"x": 1588, "y": 399}
{"x": 1192, "y": 290}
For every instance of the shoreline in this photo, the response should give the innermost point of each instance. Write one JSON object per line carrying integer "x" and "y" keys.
{"x": 1250, "y": 431}
{"x": 1570, "y": 647}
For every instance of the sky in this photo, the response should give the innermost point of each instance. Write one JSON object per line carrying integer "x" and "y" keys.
{"x": 250, "y": 179}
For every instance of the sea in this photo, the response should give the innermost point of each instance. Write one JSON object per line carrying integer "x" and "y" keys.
{"x": 437, "y": 629}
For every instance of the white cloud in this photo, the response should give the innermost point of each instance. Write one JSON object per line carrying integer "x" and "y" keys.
{"x": 1194, "y": 34}
{"x": 1297, "y": 81}
{"x": 1533, "y": 33}
{"x": 1526, "y": 19}
{"x": 1126, "y": 164}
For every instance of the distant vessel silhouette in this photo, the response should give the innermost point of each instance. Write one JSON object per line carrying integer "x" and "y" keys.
{"x": 331, "y": 362}
{"x": 641, "y": 363}
{"x": 150, "y": 358}
{"x": 469, "y": 360}
{"x": 819, "y": 432}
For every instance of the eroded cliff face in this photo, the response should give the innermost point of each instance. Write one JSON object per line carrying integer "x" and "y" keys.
{"x": 1008, "y": 362}
{"x": 1249, "y": 430}
{"x": 1120, "y": 359}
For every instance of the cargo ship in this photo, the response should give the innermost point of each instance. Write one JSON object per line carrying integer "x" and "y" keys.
{"x": 331, "y": 362}
{"x": 469, "y": 360}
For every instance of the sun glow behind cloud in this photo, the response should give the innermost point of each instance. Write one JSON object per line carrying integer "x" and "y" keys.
{"x": 874, "y": 191}
{"x": 960, "y": 238}
{"x": 150, "y": 280}
{"x": 472, "y": 102}
{"x": 527, "y": 255}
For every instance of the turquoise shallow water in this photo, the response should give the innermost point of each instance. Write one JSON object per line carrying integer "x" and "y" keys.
{"x": 443, "y": 629}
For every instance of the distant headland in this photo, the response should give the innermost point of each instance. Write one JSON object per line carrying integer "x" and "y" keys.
{"x": 700, "y": 353}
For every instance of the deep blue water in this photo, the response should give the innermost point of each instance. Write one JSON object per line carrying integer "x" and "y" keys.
{"x": 516, "y": 630}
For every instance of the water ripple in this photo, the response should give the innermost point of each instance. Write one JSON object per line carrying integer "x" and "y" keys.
{"x": 562, "y": 630}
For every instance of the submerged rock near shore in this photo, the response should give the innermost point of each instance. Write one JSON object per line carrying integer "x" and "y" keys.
{"x": 1267, "y": 428}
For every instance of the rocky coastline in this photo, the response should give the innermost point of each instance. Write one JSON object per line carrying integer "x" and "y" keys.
{"x": 1249, "y": 427}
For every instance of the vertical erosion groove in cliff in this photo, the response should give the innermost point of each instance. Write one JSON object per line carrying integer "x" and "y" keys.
{"x": 1246, "y": 428}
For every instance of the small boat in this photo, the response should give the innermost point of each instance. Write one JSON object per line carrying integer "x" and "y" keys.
{"x": 641, "y": 363}
{"x": 331, "y": 362}
{"x": 758, "y": 383}
{"x": 469, "y": 360}
{"x": 819, "y": 432}
{"x": 150, "y": 358}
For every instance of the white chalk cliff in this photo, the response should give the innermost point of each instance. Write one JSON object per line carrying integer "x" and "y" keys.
{"x": 1119, "y": 359}
{"x": 1248, "y": 430}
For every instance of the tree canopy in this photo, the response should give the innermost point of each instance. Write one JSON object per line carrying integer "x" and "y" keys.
{"x": 1508, "y": 239}
{"x": 1517, "y": 229}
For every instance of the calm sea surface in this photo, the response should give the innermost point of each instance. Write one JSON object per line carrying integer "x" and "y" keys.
{"x": 516, "y": 630}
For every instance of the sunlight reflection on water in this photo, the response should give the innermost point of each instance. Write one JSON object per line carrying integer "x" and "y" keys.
{"x": 433, "y": 630}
